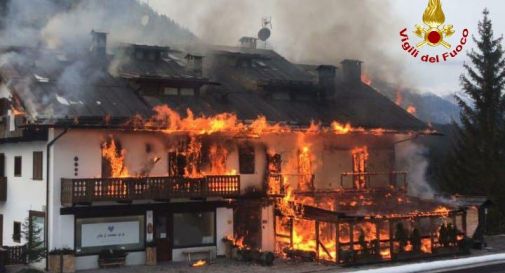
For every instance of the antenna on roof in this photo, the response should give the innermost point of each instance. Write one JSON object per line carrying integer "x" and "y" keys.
{"x": 265, "y": 31}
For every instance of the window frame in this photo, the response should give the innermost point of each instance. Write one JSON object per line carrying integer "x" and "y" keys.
{"x": 174, "y": 246}
{"x": 88, "y": 251}
{"x": 16, "y": 168}
{"x": 16, "y": 237}
{"x": 242, "y": 167}
{"x": 39, "y": 176}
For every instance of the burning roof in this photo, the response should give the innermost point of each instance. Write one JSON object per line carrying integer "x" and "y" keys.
{"x": 257, "y": 82}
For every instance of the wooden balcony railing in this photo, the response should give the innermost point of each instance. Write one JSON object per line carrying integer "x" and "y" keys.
{"x": 76, "y": 191}
{"x": 371, "y": 180}
{"x": 3, "y": 189}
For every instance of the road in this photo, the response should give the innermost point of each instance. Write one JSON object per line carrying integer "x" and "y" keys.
{"x": 495, "y": 268}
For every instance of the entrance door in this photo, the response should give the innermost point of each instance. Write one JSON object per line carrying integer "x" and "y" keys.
{"x": 162, "y": 236}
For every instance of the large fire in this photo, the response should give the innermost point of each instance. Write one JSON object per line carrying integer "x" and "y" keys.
{"x": 170, "y": 122}
{"x": 372, "y": 236}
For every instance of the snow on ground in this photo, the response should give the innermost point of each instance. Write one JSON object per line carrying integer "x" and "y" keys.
{"x": 430, "y": 266}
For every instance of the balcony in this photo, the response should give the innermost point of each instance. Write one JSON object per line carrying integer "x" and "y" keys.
{"x": 349, "y": 182}
{"x": 374, "y": 180}
{"x": 3, "y": 189}
{"x": 89, "y": 190}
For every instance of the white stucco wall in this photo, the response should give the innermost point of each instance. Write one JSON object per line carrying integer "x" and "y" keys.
{"x": 85, "y": 144}
{"x": 91, "y": 262}
{"x": 224, "y": 227}
{"x": 23, "y": 193}
{"x": 332, "y": 156}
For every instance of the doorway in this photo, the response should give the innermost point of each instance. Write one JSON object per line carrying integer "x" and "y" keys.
{"x": 359, "y": 167}
{"x": 162, "y": 236}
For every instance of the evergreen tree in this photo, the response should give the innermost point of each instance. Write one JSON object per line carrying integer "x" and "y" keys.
{"x": 477, "y": 163}
{"x": 32, "y": 233}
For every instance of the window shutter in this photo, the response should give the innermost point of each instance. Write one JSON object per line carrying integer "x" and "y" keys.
{"x": 37, "y": 165}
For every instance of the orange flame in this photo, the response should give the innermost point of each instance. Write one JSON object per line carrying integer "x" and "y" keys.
{"x": 411, "y": 109}
{"x": 115, "y": 158}
{"x": 236, "y": 242}
{"x": 366, "y": 79}
{"x": 398, "y": 97}
{"x": 199, "y": 263}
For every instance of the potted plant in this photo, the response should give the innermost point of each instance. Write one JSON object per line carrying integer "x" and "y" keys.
{"x": 151, "y": 253}
{"x": 112, "y": 258}
{"x": 61, "y": 258}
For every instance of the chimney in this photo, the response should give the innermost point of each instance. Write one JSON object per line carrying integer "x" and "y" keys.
{"x": 248, "y": 42}
{"x": 98, "y": 44}
{"x": 351, "y": 70}
{"x": 194, "y": 64}
{"x": 327, "y": 75}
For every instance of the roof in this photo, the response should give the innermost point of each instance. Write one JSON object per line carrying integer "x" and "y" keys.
{"x": 389, "y": 204}
{"x": 267, "y": 65}
{"x": 65, "y": 92}
{"x": 91, "y": 90}
{"x": 358, "y": 104}
{"x": 166, "y": 66}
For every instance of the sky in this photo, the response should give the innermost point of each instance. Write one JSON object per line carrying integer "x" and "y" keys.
{"x": 309, "y": 31}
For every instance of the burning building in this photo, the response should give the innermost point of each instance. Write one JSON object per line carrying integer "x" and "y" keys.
{"x": 186, "y": 148}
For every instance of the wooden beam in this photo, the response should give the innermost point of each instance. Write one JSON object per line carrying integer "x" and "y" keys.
{"x": 317, "y": 239}
{"x": 337, "y": 243}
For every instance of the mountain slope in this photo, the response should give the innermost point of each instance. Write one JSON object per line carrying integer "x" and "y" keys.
{"x": 428, "y": 107}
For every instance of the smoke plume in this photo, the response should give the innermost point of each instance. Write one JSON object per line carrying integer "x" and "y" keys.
{"x": 54, "y": 36}
{"x": 411, "y": 158}
{"x": 317, "y": 32}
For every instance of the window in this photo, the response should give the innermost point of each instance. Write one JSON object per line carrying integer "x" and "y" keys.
{"x": 139, "y": 54}
{"x": 37, "y": 222}
{"x": 194, "y": 229}
{"x": 170, "y": 91}
{"x": 151, "y": 56}
{"x": 95, "y": 234}
{"x": 176, "y": 164}
{"x": 16, "y": 236}
{"x": 37, "y": 165}
{"x": 2, "y": 165}
{"x": 113, "y": 164}
{"x": 187, "y": 92}
{"x": 17, "y": 166}
{"x": 246, "y": 158}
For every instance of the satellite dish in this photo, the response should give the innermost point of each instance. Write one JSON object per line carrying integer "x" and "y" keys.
{"x": 264, "y": 34}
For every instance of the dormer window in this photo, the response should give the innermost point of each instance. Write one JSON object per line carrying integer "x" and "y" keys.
{"x": 151, "y": 56}
{"x": 171, "y": 91}
{"x": 187, "y": 92}
{"x": 183, "y": 92}
{"x": 139, "y": 55}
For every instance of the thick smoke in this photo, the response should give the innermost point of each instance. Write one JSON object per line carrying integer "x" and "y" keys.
{"x": 317, "y": 32}
{"x": 63, "y": 27}
{"x": 66, "y": 25}
{"x": 411, "y": 157}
